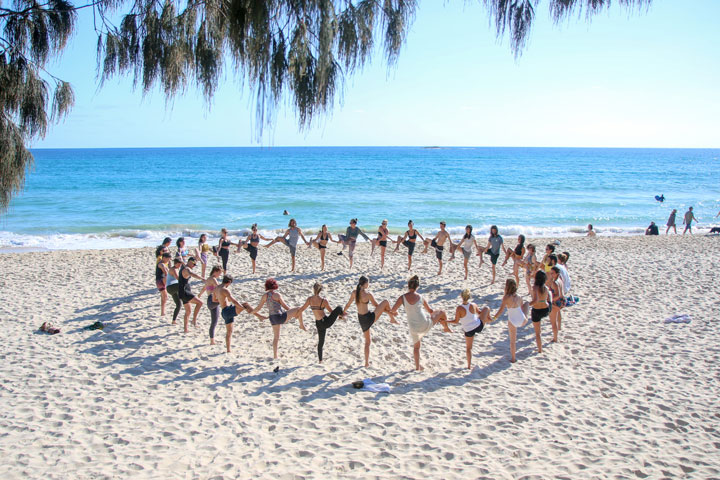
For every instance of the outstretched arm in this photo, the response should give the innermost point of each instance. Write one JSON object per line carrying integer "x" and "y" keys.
{"x": 260, "y": 305}
{"x": 427, "y": 307}
{"x": 303, "y": 236}
{"x": 395, "y": 307}
{"x": 500, "y": 310}
{"x": 305, "y": 305}
{"x": 349, "y": 302}
{"x": 363, "y": 235}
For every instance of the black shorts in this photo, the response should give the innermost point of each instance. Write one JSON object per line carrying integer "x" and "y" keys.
{"x": 185, "y": 297}
{"x": 229, "y": 313}
{"x": 410, "y": 246}
{"x": 383, "y": 243}
{"x": 476, "y": 330}
{"x": 493, "y": 256}
{"x": 252, "y": 251}
{"x": 366, "y": 320}
{"x": 438, "y": 249}
{"x": 538, "y": 314}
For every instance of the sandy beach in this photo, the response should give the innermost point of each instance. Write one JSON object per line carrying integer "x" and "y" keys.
{"x": 623, "y": 395}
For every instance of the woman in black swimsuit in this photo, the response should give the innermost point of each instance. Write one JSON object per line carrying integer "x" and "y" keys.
{"x": 381, "y": 240}
{"x": 224, "y": 248}
{"x": 517, "y": 255}
{"x": 251, "y": 244}
{"x": 319, "y": 305}
{"x": 362, "y": 298}
{"x": 321, "y": 241}
{"x": 408, "y": 240}
{"x": 540, "y": 304}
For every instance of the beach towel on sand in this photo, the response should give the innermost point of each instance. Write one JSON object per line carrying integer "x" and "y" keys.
{"x": 680, "y": 318}
{"x": 370, "y": 386}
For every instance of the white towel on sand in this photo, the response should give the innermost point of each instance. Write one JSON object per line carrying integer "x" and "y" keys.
{"x": 680, "y": 318}
{"x": 371, "y": 386}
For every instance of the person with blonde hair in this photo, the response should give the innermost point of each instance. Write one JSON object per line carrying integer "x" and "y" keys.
{"x": 319, "y": 305}
{"x": 381, "y": 241}
{"x": 362, "y": 298}
{"x": 517, "y": 312}
{"x": 472, "y": 319}
{"x": 419, "y": 323}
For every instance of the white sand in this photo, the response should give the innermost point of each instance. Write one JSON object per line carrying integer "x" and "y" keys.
{"x": 622, "y": 396}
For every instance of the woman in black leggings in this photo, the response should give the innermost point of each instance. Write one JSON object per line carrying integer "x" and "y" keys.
{"x": 173, "y": 286}
{"x": 319, "y": 305}
{"x": 224, "y": 248}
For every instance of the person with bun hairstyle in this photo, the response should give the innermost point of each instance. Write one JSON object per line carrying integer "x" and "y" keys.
{"x": 408, "y": 240}
{"x": 319, "y": 305}
{"x": 280, "y": 313}
{"x": 472, "y": 319}
{"x": 419, "y": 323}
{"x": 517, "y": 311}
{"x": 251, "y": 244}
{"x": 362, "y": 298}
{"x": 321, "y": 242}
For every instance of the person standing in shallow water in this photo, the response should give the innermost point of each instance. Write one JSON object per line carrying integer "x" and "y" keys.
{"x": 671, "y": 222}
{"x": 688, "y": 219}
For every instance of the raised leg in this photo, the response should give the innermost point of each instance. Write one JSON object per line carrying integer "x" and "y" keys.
{"x": 439, "y": 316}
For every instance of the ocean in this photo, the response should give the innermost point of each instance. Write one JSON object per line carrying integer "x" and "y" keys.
{"x": 117, "y": 198}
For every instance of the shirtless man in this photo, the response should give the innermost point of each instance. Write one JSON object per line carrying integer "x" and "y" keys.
{"x": 223, "y": 296}
{"x": 438, "y": 243}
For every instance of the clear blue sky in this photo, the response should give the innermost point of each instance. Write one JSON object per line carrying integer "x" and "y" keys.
{"x": 623, "y": 80}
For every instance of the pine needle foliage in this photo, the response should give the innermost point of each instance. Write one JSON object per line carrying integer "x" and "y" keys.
{"x": 299, "y": 50}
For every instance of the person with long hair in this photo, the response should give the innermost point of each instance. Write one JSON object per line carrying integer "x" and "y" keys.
{"x": 182, "y": 252}
{"x": 408, "y": 241}
{"x": 223, "y": 248}
{"x": 202, "y": 251}
{"x": 558, "y": 300}
{"x": 319, "y": 305}
{"x": 465, "y": 245}
{"x": 381, "y": 241}
{"x": 540, "y": 304}
{"x": 418, "y": 323}
{"x": 517, "y": 312}
{"x": 493, "y": 248}
{"x": 185, "y": 292}
{"x": 473, "y": 320}
{"x": 529, "y": 262}
{"x": 279, "y": 312}
{"x": 361, "y": 297}
{"x": 290, "y": 239}
{"x": 161, "y": 273}
{"x": 517, "y": 255}
{"x": 210, "y": 285}
{"x": 321, "y": 242}
{"x": 251, "y": 244}
{"x": 172, "y": 286}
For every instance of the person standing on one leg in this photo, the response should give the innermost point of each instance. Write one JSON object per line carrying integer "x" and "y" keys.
{"x": 185, "y": 292}
{"x": 438, "y": 243}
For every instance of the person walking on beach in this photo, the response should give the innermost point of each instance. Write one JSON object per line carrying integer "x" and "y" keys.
{"x": 362, "y": 298}
{"x": 290, "y": 239}
{"x": 688, "y": 219}
{"x": 418, "y": 323}
{"x": 223, "y": 248}
{"x": 540, "y": 304}
{"x": 472, "y": 320}
{"x": 350, "y": 239}
{"x": 438, "y": 243}
{"x": 230, "y": 308}
{"x": 408, "y": 240}
{"x": 172, "y": 286}
{"x": 517, "y": 312}
{"x": 185, "y": 292}
{"x": 279, "y": 312}
{"x": 251, "y": 244}
{"x": 321, "y": 242}
{"x": 671, "y": 222}
{"x": 319, "y": 305}
{"x": 381, "y": 241}
{"x": 558, "y": 300}
{"x": 211, "y": 283}
{"x": 493, "y": 248}
{"x": 517, "y": 256}
{"x": 161, "y": 273}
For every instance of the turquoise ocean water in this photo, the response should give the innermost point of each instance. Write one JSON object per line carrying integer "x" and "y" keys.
{"x": 106, "y": 198}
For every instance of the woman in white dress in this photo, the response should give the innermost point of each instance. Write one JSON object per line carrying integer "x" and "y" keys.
{"x": 517, "y": 312}
{"x": 418, "y": 322}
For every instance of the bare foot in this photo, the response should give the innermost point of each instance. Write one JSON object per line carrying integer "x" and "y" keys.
{"x": 302, "y": 326}
{"x": 174, "y": 323}
{"x": 212, "y": 341}
{"x": 420, "y": 368}
{"x": 512, "y": 360}
{"x": 187, "y": 331}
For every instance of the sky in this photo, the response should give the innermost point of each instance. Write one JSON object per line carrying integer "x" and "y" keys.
{"x": 625, "y": 79}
